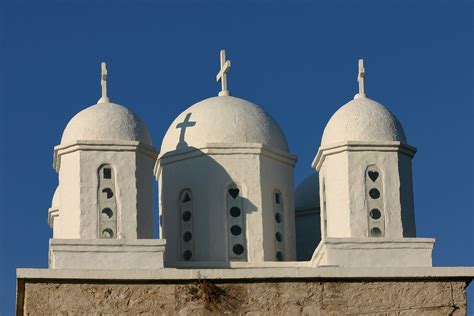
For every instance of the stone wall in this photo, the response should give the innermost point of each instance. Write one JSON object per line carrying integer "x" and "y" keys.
{"x": 248, "y": 297}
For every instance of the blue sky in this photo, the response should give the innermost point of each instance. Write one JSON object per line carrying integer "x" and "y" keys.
{"x": 296, "y": 59}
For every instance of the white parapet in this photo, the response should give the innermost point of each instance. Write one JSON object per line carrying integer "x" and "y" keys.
{"x": 374, "y": 252}
{"x": 106, "y": 253}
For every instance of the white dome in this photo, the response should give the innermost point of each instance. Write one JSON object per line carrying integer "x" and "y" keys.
{"x": 307, "y": 193}
{"x": 362, "y": 119}
{"x": 105, "y": 121}
{"x": 55, "y": 201}
{"x": 223, "y": 119}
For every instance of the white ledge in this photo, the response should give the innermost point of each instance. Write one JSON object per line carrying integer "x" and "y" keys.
{"x": 102, "y": 145}
{"x": 386, "y": 146}
{"x": 329, "y": 272}
{"x": 224, "y": 149}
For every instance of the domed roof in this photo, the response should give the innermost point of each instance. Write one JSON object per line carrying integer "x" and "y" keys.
{"x": 105, "y": 121}
{"x": 307, "y": 193}
{"x": 223, "y": 119}
{"x": 55, "y": 201}
{"x": 362, "y": 119}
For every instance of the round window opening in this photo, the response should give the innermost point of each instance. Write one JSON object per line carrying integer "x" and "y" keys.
{"x": 107, "y": 213}
{"x": 375, "y": 213}
{"x": 279, "y": 237}
{"x": 278, "y": 218}
{"x": 236, "y": 230}
{"x": 376, "y": 232}
{"x": 107, "y": 233}
{"x": 186, "y": 216}
{"x": 235, "y": 211}
{"x": 187, "y": 236}
{"x": 374, "y": 193}
{"x": 187, "y": 255}
{"x": 279, "y": 256}
{"x": 238, "y": 249}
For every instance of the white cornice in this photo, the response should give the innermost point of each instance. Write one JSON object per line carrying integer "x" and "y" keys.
{"x": 389, "y": 146}
{"x": 225, "y": 149}
{"x": 84, "y": 145}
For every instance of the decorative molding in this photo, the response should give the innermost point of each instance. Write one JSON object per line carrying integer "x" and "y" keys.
{"x": 389, "y": 146}
{"x": 84, "y": 145}
{"x": 224, "y": 149}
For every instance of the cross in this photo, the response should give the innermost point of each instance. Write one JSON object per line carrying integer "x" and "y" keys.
{"x": 183, "y": 125}
{"x": 103, "y": 83}
{"x": 360, "y": 78}
{"x": 222, "y": 75}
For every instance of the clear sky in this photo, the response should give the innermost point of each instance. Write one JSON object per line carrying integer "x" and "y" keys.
{"x": 296, "y": 59}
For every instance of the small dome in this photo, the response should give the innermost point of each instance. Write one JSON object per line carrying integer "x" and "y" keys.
{"x": 105, "y": 121}
{"x": 55, "y": 201}
{"x": 307, "y": 194}
{"x": 362, "y": 119}
{"x": 223, "y": 119}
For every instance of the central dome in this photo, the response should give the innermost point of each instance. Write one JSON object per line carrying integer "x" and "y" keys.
{"x": 223, "y": 119}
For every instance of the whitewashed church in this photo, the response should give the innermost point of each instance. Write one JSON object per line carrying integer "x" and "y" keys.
{"x": 226, "y": 192}
{"x": 236, "y": 236}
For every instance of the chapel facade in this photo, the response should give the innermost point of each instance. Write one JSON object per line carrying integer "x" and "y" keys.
{"x": 225, "y": 189}
{"x": 235, "y": 236}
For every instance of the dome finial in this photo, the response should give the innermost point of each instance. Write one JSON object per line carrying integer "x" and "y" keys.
{"x": 103, "y": 83}
{"x": 222, "y": 75}
{"x": 360, "y": 79}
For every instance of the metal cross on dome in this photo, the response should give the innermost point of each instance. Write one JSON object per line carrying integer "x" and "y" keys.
{"x": 103, "y": 83}
{"x": 360, "y": 78}
{"x": 222, "y": 75}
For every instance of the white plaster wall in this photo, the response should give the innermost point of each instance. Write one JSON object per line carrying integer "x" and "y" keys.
{"x": 334, "y": 172}
{"x": 406, "y": 196}
{"x": 208, "y": 176}
{"x": 277, "y": 175}
{"x": 106, "y": 254}
{"x": 387, "y": 162}
{"x": 124, "y": 165}
{"x": 145, "y": 214}
{"x": 346, "y": 196}
{"x": 67, "y": 225}
{"x": 308, "y": 233}
{"x": 78, "y": 178}
{"x": 374, "y": 252}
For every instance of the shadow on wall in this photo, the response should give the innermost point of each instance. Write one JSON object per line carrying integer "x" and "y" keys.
{"x": 204, "y": 211}
{"x": 308, "y": 220}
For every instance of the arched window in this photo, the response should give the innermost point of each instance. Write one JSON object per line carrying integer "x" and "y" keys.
{"x": 374, "y": 189}
{"x": 279, "y": 216}
{"x": 186, "y": 225}
{"x": 107, "y": 213}
{"x": 235, "y": 223}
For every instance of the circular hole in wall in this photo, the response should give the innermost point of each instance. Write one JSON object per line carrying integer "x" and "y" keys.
{"x": 279, "y": 256}
{"x": 107, "y": 233}
{"x": 187, "y": 255}
{"x": 236, "y": 230}
{"x": 107, "y": 213}
{"x": 375, "y": 232}
{"x": 187, "y": 236}
{"x": 374, "y": 193}
{"x": 238, "y": 249}
{"x": 108, "y": 193}
{"x": 186, "y": 216}
{"x": 375, "y": 213}
{"x": 279, "y": 237}
{"x": 235, "y": 211}
{"x": 278, "y": 218}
